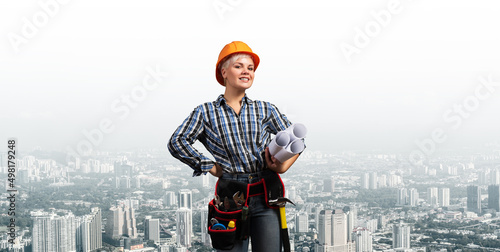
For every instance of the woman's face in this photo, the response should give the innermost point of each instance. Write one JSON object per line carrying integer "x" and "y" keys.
{"x": 239, "y": 74}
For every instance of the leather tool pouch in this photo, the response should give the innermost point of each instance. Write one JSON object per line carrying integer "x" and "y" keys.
{"x": 273, "y": 188}
{"x": 225, "y": 211}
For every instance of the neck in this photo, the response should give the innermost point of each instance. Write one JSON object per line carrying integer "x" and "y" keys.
{"x": 234, "y": 99}
{"x": 234, "y": 96}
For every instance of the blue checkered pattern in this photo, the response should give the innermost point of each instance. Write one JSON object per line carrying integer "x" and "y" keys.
{"x": 237, "y": 142}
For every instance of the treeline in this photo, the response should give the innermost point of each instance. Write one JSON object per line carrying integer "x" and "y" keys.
{"x": 383, "y": 197}
{"x": 463, "y": 240}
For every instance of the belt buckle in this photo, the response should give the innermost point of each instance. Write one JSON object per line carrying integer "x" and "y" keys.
{"x": 250, "y": 177}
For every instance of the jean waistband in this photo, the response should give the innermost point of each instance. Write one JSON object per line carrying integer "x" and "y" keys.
{"x": 246, "y": 177}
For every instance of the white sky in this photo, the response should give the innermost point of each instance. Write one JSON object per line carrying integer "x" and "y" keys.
{"x": 427, "y": 57}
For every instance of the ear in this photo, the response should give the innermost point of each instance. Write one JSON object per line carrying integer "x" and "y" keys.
{"x": 223, "y": 72}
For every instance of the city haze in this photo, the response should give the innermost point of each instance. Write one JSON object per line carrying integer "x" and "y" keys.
{"x": 359, "y": 75}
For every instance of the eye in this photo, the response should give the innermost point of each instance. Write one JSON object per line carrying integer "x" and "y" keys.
{"x": 237, "y": 66}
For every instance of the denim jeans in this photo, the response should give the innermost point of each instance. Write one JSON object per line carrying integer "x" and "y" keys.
{"x": 264, "y": 222}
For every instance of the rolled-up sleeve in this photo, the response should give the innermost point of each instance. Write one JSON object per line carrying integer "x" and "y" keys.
{"x": 279, "y": 121}
{"x": 181, "y": 143}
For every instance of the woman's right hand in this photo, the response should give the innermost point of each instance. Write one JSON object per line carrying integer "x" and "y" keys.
{"x": 216, "y": 170}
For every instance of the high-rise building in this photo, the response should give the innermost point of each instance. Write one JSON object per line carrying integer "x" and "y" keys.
{"x": 495, "y": 177}
{"x": 301, "y": 222}
{"x": 351, "y": 221}
{"x": 381, "y": 221}
{"x": 88, "y": 231}
{"x": 152, "y": 229}
{"x": 94, "y": 165}
{"x": 444, "y": 197}
{"x": 339, "y": 228}
{"x": 325, "y": 227}
{"x": 394, "y": 180}
{"x": 452, "y": 170}
{"x": 123, "y": 182}
{"x": 53, "y": 233}
{"x": 494, "y": 197}
{"x": 400, "y": 236}
{"x": 185, "y": 222}
{"x": 205, "y": 237}
{"x": 382, "y": 181}
{"x": 205, "y": 180}
{"x": 365, "y": 181}
{"x": 129, "y": 223}
{"x": 363, "y": 240}
{"x": 402, "y": 197}
{"x": 122, "y": 169}
{"x": 372, "y": 183}
{"x": 371, "y": 225}
{"x": 41, "y": 237}
{"x": 121, "y": 222}
{"x": 184, "y": 226}
{"x": 413, "y": 197}
{"x": 77, "y": 163}
{"x": 129, "y": 202}
{"x": 432, "y": 196}
{"x": 484, "y": 177}
{"x": 474, "y": 199}
{"x": 137, "y": 182}
{"x": 169, "y": 199}
{"x": 329, "y": 185}
{"x": 185, "y": 199}
{"x": 332, "y": 232}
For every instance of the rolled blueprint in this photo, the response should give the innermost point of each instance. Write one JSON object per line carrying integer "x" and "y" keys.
{"x": 280, "y": 141}
{"x": 296, "y": 131}
{"x": 291, "y": 150}
{"x": 288, "y": 142}
{"x": 296, "y": 147}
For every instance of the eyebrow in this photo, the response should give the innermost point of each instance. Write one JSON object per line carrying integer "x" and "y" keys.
{"x": 241, "y": 63}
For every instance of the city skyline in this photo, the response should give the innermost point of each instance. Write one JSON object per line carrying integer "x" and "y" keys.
{"x": 363, "y": 208}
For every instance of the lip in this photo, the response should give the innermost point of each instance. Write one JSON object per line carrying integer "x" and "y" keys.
{"x": 248, "y": 79}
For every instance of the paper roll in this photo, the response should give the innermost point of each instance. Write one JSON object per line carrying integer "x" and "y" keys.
{"x": 288, "y": 142}
{"x": 283, "y": 155}
{"x": 280, "y": 142}
{"x": 295, "y": 147}
{"x": 296, "y": 131}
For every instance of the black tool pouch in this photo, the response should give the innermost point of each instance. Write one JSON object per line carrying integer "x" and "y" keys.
{"x": 273, "y": 188}
{"x": 224, "y": 239}
{"x": 270, "y": 185}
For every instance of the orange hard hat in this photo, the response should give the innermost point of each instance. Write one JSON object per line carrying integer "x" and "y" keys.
{"x": 230, "y": 49}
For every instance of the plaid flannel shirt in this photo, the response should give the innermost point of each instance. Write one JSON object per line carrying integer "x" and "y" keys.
{"x": 237, "y": 142}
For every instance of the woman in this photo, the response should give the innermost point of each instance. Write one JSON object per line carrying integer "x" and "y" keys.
{"x": 236, "y": 131}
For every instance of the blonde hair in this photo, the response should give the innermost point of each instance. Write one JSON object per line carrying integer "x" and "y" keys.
{"x": 234, "y": 58}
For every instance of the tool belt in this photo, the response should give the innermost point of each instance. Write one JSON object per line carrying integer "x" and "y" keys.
{"x": 228, "y": 213}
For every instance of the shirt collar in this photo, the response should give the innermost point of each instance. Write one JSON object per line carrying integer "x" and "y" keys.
{"x": 221, "y": 100}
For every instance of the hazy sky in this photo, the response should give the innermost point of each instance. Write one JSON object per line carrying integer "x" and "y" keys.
{"x": 359, "y": 74}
